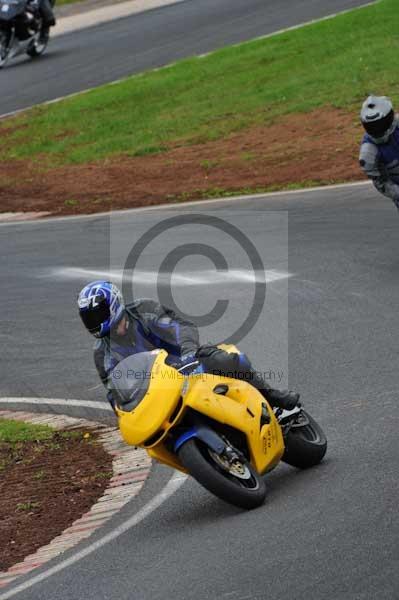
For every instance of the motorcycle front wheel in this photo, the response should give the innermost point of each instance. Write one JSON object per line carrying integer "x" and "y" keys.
{"x": 305, "y": 443}
{"x": 238, "y": 484}
{"x": 39, "y": 43}
{"x": 5, "y": 47}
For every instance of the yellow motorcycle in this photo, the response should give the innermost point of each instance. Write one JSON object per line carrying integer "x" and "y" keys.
{"x": 219, "y": 430}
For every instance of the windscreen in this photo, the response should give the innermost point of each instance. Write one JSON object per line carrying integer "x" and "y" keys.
{"x": 131, "y": 378}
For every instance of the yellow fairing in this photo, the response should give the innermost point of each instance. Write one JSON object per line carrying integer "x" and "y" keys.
{"x": 241, "y": 409}
{"x": 170, "y": 394}
{"x": 161, "y": 454}
{"x": 159, "y": 403}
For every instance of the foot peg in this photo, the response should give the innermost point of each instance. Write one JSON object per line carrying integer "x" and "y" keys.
{"x": 287, "y": 416}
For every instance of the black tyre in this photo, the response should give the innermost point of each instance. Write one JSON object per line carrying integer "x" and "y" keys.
{"x": 305, "y": 443}
{"x": 39, "y": 44}
{"x": 245, "y": 489}
{"x": 4, "y": 48}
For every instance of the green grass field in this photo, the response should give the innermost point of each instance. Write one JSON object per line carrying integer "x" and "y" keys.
{"x": 334, "y": 62}
{"x": 61, "y": 2}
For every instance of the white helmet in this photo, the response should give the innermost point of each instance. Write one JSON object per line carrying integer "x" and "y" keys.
{"x": 378, "y": 118}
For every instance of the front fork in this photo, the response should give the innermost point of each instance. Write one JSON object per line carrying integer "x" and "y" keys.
{"x": 215, "y": 443}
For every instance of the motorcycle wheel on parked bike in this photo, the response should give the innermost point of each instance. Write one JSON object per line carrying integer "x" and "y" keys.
{"x": 5, "y": 47}
{"x": 39, "y": 43}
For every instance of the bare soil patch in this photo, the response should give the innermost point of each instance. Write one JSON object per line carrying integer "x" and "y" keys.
{"x": 44, "y": 487}
{"x": 314, "y": 148}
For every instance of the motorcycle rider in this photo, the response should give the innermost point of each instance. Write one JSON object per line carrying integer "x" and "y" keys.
{"x": 379, "y": 151}
{"x": 122, "y": 330}
{"x": 47, "y": 13}
{"x": 45, "y": 8}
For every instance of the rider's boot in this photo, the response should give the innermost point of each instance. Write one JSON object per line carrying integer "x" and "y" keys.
{"x": 285, "y": 399}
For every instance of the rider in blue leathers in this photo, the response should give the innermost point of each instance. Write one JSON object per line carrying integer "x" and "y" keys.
{"x": 122, "y": 330}
{"x": 379, "y": 151}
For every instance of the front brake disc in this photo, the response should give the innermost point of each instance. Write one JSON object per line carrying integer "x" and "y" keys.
{"x": 235, "y": 467}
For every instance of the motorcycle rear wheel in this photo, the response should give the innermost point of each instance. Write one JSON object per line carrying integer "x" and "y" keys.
{"x": 246, "y": 489}
{"x": 305, "y": 443}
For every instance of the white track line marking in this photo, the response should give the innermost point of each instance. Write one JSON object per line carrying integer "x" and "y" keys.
{"x": 205, "y": 277}
{"x": 22, "y": 216}
{"x": 170, "y": 488}
{"x": 58, "y": 402}
{"x": 268, "y": 35}
{"x": 194, "y": 203}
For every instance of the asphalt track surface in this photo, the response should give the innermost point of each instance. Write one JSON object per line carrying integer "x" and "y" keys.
{"x": 104, "y": 53}
{"x": 330, "y": 533}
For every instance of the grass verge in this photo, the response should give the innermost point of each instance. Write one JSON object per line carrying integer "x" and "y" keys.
{"x": 333, "y": 62}
{"x": 12, "y": 432}
{"x": 15, "y": 434}
{"x": 17, "y": 431}
{"x": 63, "y": 2}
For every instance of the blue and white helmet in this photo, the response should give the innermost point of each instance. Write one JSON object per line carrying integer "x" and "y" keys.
{"x": 101, "y": 307}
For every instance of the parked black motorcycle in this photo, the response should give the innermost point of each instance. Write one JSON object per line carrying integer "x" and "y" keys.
{"x": 21, "y": 29}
